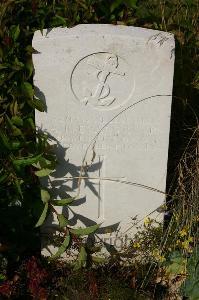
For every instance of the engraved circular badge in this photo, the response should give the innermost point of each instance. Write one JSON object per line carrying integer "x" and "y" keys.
{"x": 102, "y": 80}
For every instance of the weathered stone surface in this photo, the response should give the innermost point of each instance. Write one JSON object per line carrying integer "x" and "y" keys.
{"x": 108, "y": 97}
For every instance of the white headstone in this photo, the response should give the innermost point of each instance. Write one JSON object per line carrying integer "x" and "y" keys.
{"x": 108, "y": 97}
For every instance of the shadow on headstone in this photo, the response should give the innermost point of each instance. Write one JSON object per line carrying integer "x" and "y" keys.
{"x": 39, "y": 94}
{"x": 59, "y": 190}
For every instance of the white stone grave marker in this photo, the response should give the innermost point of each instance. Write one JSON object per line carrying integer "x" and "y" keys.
{"x": 108, "y": 97}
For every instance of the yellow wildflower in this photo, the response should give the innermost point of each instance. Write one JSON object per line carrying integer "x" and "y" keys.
{"x": 157, "y": 255}
{"x": 147, "y": 221}
{"x": 196, "y": 218}
{"x": 185, "y": 244}
{"x": 136, "y": 245}
{"x": 161, "y": 258}
{"x": 190, "y": 239}
{"x": 178, "y": 242}
{"x": 183, "y": 232}
{"x": 176, "y": 217}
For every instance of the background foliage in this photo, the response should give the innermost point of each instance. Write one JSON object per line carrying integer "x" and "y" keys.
{"x": 22, "y": 148}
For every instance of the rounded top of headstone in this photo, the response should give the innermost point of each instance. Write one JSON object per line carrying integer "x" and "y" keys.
{"x": 151, "y": 35}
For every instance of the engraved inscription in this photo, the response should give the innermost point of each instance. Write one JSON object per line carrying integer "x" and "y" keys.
{"x": 102, "y": 80}
{"x": 112, "y": 138}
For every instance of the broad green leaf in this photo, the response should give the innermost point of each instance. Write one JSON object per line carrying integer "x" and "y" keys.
{"x": 62, "y": 202}
{"x": 176, "y": 264}
{"x": 3, "y": 66}
{"x": 4, "y": 140}
{"x": 16, "y": 131}
{"x": 115, "y": 4}
{"x": 62, "y": 220}
{"x": 193, "y": 295}
{"x": 28, "y": 90}
{"x": 2, "y": 276}
{"x": 38, "y": 104}
{"x": 18, "y": 186}
{"x": 44, "y": 162}
{"x": 3, "y": 177}
{"x": 43, "y": 172}
{"x": 1, "y": 52}
{"x": 62, "y": 248}
{"x": 31, "y": 50}
{"x": 25, "y": 161}
{"x": 14, "y": 31}
{"x": 15, "y": 145}
{"x": 190, "y": 287}
{"x": 29, "y": 122}
{"x": 58, "y": 21}
{"x": 29, "y": 67}
{"x": 175, "y": 268}
{"x": 43, "y": 216}
{"x": 131, "y": 3}
{"x": 17, "y": 65}
{"x": 81, "y": 260}
{"x": 14, "y": 107}
{"x": 49, "y": 163}
{"x": 45, "y": 196}
{"x": 85, "y": 231}
{"x": 17, "y": 121}
{"x": 98, "y": 260}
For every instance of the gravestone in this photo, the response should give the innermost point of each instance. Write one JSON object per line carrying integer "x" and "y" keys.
{"x": 108, "y": 102}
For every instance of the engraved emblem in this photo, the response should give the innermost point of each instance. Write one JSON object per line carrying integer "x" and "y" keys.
{"x": 101, "y": 95}
{"x": 102, "y": 80}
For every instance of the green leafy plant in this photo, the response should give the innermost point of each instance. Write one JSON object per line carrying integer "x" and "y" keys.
{"x": 191, "y": 286}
